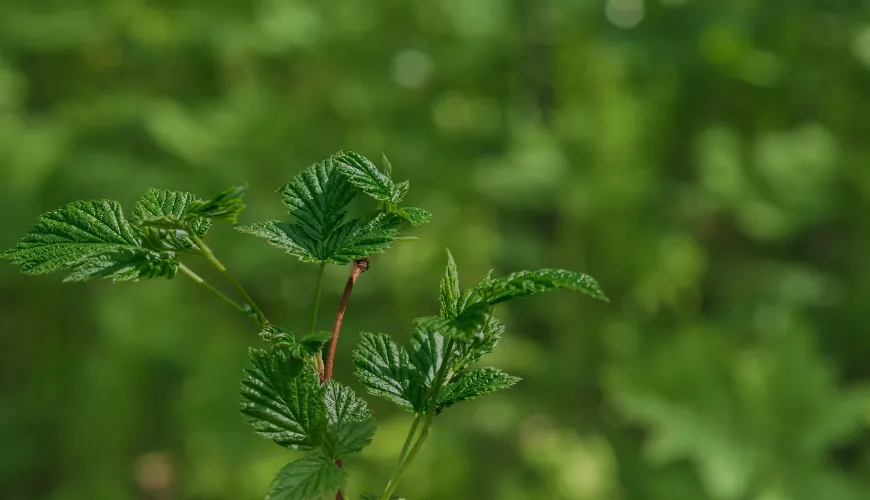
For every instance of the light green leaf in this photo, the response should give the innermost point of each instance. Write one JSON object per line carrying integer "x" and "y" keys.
{"x": 162, "y": 204}
{"x": 385, "y": 369}
{"x": 311, "y": 478}
{"x": 427, "y": 348}
{"x": 450, "y": 291}
{"x": 365, "y": 175}
{"x": 225, "y": 206}
{"x": 283, "y": 399}
{"x": 94, "y": 239}
{"x": 351, "y": 425}
{"x": 311, "y": 344}
{"x": 525, "y": 283}
{"x": 473, "y": 384}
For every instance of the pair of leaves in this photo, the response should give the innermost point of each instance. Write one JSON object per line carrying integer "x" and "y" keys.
{"x": 284, "y": 401}
{"x": 94, "y": 240}
{"x": 318, "y": 199}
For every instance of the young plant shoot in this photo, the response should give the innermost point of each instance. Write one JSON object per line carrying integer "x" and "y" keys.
{"x": 288, "y": 394}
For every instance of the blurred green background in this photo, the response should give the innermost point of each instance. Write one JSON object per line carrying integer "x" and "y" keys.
{"x": 706, "y": 161}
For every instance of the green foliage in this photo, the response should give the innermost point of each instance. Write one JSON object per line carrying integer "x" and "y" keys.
{"x": 286, "y": 392}
{"x": 351, "y": 425}
{"x": 95, "y": 240}
{"x": 473, "y": 384}
{"x": 318, "y": 199}
{"x": 283, "y": 399}
{"x": 526, "y": 283}
{"x": 385, "y": 369}
{"x": 310, "y": 478}
{"x": 227, "y": 206}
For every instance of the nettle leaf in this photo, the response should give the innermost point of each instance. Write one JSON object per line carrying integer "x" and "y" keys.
{"x": 162, "y": 204}
{"x": 470, "y": 324}
{"x": 364, "y": 236}
{"x": 365, "y": 175}
{"x": 427, "y": 348}
{"x": 311, "y": 478}
{"x": 416, "y": 216}
{"x": 283, "y": 399}
{"x": 94, "y": 239}
{"x": 450, "y": 291}
{"x": 225, "y": 206}
{"x": 318, "y": 199}
{"x": 126, "y": 266}
{"x": 468, "y": 353}
{"x": 526, "y": 283}
{"x": 286, "y": 236}
{"x": 351, "y": 425}
{"x": 385, "y": 369}
{"x": 473, "y": 384}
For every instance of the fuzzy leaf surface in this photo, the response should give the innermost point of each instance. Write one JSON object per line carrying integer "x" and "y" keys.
{"x": 450, "y": 291}
{"x": 310, "y": 478}
{"x": 283, "y": 399}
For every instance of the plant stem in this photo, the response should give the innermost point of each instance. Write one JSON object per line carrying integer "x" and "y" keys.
{"x": 209, "y": 255}
{"x": 434, "y": 392}
{"x": 198, "y": 280}
{"x": 318, "y": 358}
{"x": 412, "y": 432}
{"x": 359, "y": 267}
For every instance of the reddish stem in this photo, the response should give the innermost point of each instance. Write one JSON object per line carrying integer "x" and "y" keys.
{"x": 359, "y": 267}
{"x": 338, "y": 495}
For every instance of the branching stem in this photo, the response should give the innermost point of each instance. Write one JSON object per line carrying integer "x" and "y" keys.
{"x": 434, "y": 393}
{"x": 209, "y": 256}
{"x": 359, "y": 267}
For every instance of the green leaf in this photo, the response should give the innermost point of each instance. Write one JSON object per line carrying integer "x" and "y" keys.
{"x": 277, "y": 334}
{"x": 126, "y": 266}
{"x": 318, "y": 199}
{"x": 385, "y": 369}
{"x": 285, "y": 236}
{"x": 416, "y": 216}
{"x": 363, "y": 236}
{"x": 283, "y": 399}
{"x": 450, "y": 291}
{"x": 162, "y": 204}
{"x": 525, "y": 283}
{"x": 94, "y": 239}
{"x": 427, "y": 348}
{"x": 365, "y": 175}
{"x": 311, "y": 478}
{"x": 311, "y": 344}
{"x": 473, "y": 384}
{"x": 468, "y": 353}
{"x": 225, "y": 206}
{"x": 351, "y": 425}
{"x": 470, "y": 324}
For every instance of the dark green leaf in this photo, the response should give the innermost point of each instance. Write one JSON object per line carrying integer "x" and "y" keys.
{"x": 318, "y": 199}
{"x": 351, "y": 425}
{"x": 283, "y": 399}
{"x": 385, "y": 369}
{"x": 311, "y": 478}
{"x": 525, "y": 283}
{"x": 126, "y": 266}
{"x": 286, "y": 236}
{"x": 450, "y": 291}
{"x": 364, "y": 236}
{"x": 94, "y": 239}
{"x": 225, "y": 206}
{"x": 470, "y": 324}
{"x": 473, "y": 384}
{"x": 365, "y": 175}
{"x": 166, "y": 205}
{"x": 311, "y": 344}
{"x": 468, "y": 353}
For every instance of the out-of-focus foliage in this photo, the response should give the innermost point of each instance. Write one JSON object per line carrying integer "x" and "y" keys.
{"x": 707, "y": 162}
